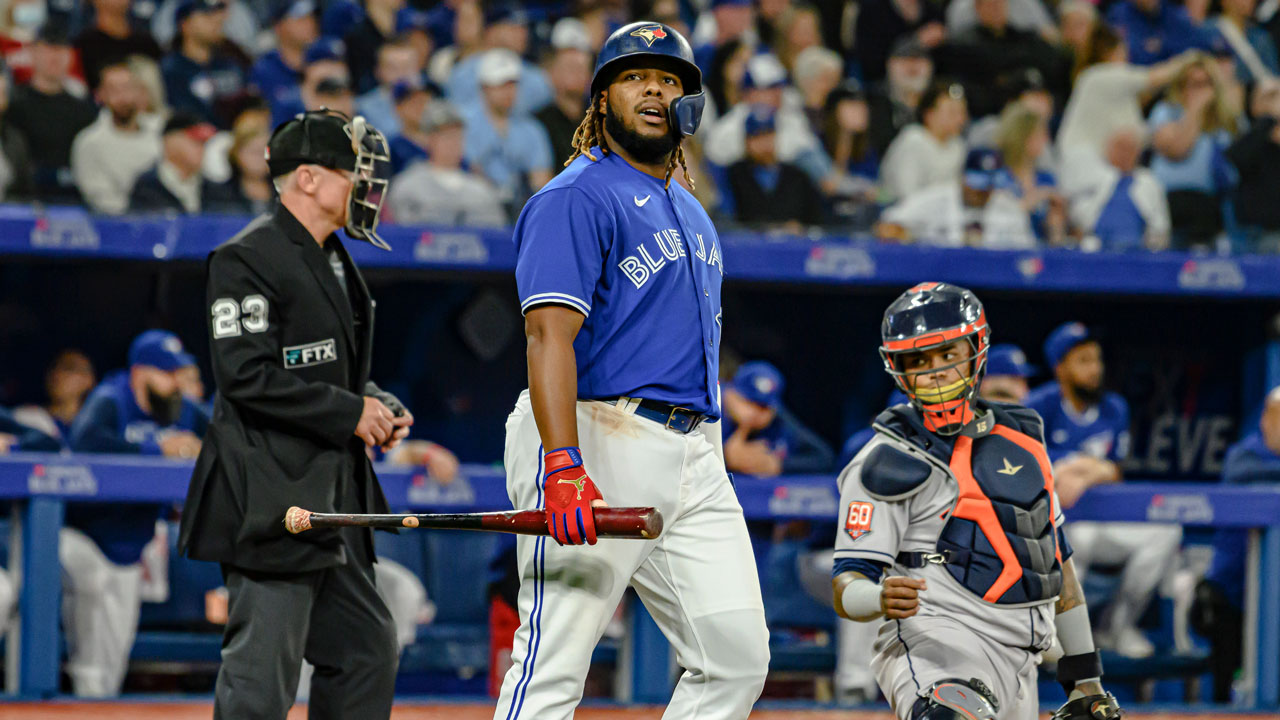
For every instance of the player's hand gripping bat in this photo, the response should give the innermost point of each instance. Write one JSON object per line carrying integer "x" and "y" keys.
{"x": 643, "y": 523}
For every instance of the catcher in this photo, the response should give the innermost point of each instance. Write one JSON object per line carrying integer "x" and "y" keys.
{"x": 951, "y": 534}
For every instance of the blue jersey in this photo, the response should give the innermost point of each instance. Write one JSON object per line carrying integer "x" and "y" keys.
{"x": 1102, "y": 431}
{"x": 801, "y": 449}
{"x": 1154, "y": 38}
{"x": 1248, "y": 462}
{"x": 112, "y": 422}
{"x": 278, "y": 84}
{"x": 202, "y": 89}
{"x": 644, "y": 264}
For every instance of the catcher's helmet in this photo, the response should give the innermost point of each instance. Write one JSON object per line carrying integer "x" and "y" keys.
{"x": 930, "y": 315}
{"x": 651, "y": 44}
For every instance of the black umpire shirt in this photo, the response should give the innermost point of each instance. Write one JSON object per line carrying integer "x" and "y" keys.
{"x": 291, "y": 353}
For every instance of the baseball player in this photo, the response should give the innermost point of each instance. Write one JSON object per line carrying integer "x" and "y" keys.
{"x": 951, "y": 536}
{"x": 619, "y": 271}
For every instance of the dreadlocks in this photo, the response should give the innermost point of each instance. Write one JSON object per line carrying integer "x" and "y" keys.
{"x": 590, "y": 133}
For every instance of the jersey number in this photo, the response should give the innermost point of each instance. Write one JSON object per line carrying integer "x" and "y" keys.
{"x": 858, "y": 522}
{"x": 227, "y": 316}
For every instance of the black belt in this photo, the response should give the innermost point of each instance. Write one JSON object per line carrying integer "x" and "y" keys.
{"x": 672, "y": 417}
{"x": 917, "y": 560}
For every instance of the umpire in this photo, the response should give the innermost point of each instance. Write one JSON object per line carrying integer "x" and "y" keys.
{"x": 291, "y": 326}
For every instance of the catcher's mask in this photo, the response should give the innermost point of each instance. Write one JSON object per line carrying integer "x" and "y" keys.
{"x": 331, "y": 139}
{"x": 932, "y": 315}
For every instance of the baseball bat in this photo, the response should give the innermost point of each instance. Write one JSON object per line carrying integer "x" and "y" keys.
{"x": 643, "y": 523}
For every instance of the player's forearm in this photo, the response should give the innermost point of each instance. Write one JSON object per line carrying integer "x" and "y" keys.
{"x": 862, "y": 604}
{"x": 553, "y": 385}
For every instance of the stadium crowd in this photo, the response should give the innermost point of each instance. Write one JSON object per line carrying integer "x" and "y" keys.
{"x": 1125, "y": 124}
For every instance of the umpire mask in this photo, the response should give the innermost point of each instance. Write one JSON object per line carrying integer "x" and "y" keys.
{"x": 329, "y": 138}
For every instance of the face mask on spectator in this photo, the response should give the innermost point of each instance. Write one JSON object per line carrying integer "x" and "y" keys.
{"x": 30, "y": 15}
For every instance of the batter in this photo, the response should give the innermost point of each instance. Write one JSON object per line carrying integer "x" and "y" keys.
{"x": 619, "y": 273}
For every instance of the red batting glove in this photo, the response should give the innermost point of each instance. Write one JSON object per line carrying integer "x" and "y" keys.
{"x": 569, "y": 493}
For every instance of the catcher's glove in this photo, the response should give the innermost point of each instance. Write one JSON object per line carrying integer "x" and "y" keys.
{"x": 1090, "y": 707}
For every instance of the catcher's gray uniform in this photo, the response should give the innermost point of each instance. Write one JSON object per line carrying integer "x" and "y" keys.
{"x": 898, "y": 498}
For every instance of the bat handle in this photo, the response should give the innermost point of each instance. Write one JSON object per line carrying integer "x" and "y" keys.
{"x": 297, "y": 520}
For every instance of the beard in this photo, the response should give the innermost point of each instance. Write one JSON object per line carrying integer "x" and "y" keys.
{"x": 647, "y": 150}
{"x": 123, "y": 116}
{"x": 1090, "y": 395}
{"x": 165, "y": 409}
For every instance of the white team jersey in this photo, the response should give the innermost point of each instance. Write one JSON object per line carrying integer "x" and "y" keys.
{"x": 877, "y": 530}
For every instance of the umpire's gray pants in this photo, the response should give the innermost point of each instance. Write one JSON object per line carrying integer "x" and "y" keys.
{"x": 334, "y": 618}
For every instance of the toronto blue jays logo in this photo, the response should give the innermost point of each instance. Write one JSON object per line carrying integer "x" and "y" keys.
{"x": 649, "y": 34}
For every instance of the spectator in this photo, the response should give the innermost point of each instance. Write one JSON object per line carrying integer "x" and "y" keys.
{"x": 124, "y": 142}
{"x": 932, "y": 151}
{"x": 1107, "y": 96}
{"x": 1006, "y": 377}
{"x": 730, "y": 20}
{"x": 509, "y": 147}
{"x": 240, "y": 27}
{"x": 766, "y": 192}
{"x": 277, "y": 74}
{"x": 801, "y": 29}
{"x": 1086, "y": 432}
{"x": 249, "y": 190}
{"x": 1256, "y": 156}
{"x": 15, "y": 159}
{"x": 1155, "y": 30}
{"x": 48, "y": 117}
{"x": 1076, "y": 21}
{"x": 200, "y": 77}
{"x": 985, "y": 55}
{"x": 176, "y": 184}
{"x": 1254, "y": 53}
{"x": 16, "y": 435}
{"x": 770, "y": 21}
{"x": 1191, "y": 130}
{"x": 761, "y": 437}
{"x": 570, "y": 73}
{"x": 25, "y": 19}
{"x": 111, "y": 39}
{"x": 895, "y": 102}
{"x": 765, "y": 84}
{"x": 364, "y": 41}
{"x": 975, "y": 212}
{"x": 139, "y": 411}
{"x": 414, "y": 27}
{"x": 411, "y": 102}
{"x": 1124, "y": 207}
{"x": 884, "y": 26}
{"x": 817, "y": 71}
{"x": 333, "y": 93}
{"x": 325, "y": 60}
{"x": 1027, "y": 15}
{"x": 505, "y": 28}
{"x": 1026, "y": 88}
{"x": 846, "y": 137}
{"x": 69, "y": 378}
{"x": 1022, "y": 139}
{"x": 436, "y": 190}
{"x": 397, "y": 61}
{"x": 724, "y": 79}
{"x": 1217, "y": 612}
{"x": 467, "y": 40}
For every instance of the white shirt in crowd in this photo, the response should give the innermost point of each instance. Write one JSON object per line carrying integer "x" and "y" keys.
{"x": 916, "y": 160}
{"x": 726, "y": 139}
{"x": 187, "y": 190}
{"x": 1147, "y": 193}
{"x": 936, "y": 215}
{"x": 427, "y": 195}
{"x": 1104, "y": 100}
{"x": 105, "y": 160}
{"x": 1028, "y": 15}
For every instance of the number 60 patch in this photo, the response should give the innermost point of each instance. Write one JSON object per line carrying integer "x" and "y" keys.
{"x": 858, "y": 522}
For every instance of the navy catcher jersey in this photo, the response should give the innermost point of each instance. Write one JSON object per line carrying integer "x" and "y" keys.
{"x": 1102, "y": 431}
{"x": 643, "y": 264}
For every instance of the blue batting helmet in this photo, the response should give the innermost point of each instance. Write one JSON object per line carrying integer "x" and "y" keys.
{"x": 651, "y": 44}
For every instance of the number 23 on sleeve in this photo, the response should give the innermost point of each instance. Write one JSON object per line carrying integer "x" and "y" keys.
{"x": 229, "y": 316}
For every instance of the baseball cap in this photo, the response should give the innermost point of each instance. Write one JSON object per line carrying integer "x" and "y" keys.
{"x": 909, "y": 46}
{"x": 764, "y": 71}
{"x": 760, "y": 120}
{"x": 760, "y": 382}
{"x": 980, "y": 167}
{"x": 187, "y": 7}
{"x": 498, "y": 66}
{"x": 160, "y": 349}
{"x": 1008, "y": 359}
{"x": 439, "y": 115}
{"x": 292, "y": 9}
{"x": 410, "y": 19}
{"x": 504, "y": 12}
{"x": 54, "y": 32}
{"x": 326, "y": 48}
{"x": 339, "y": 17}
{"x": 570, "y": 33}
{"x": 193, "y": 126}
{"x": 1063, "y": 339}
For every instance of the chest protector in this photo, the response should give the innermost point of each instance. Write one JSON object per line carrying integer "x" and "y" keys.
{"x": 999, "y": 536}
